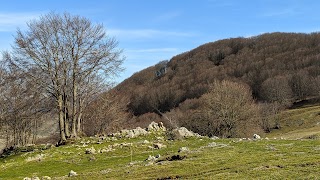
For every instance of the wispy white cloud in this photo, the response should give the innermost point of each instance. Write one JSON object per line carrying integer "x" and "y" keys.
{"x": 10, "y": 21}
{"x": 150, "y": 56}
{"x": 147, "y": 33}
{"x": 152, "y": 50}
{"x": 282, "y": 12}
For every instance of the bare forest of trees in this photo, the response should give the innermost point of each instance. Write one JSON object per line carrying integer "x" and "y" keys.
{"x": 279, "y": 69}
{"x": 59, "y": 65}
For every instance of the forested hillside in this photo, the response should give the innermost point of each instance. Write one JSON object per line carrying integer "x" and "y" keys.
{"x": 279, "y": 68}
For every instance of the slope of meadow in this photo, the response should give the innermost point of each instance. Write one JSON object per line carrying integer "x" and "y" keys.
{"x": 301, "y": 122}
{"x": 203, "y": 158}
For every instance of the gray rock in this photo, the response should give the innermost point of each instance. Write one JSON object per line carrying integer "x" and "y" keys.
{"x": 72, "y": 173}
{"x": 182, "y": 132}
{"x": 38, "y": 157}
{"x": 90, "y": 150}
{"x": 214, "y": 137}
{"x": 161, "y": 126}
{"x": 46, "y": 178}
{"x": 139, "y": 131}
{"x": 212, "y": 144}
{"x": 153, "y": 126}
{"x": 130, "y": 134}
{"x": 159, "y": 146}
{"x": 124, "y": 132}
{"x": 256, "y": 136}
{"x": 151, "y": 158}
{"x": 183, "y": 149}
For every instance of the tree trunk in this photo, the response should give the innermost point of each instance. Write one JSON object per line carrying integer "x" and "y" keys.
{"x": 65, "y": 116}
{"x": 61, "y": 120}
{"x": 66, "y": 125}
{"x": 74, "y": 110}
{"x": 79, "y": 130}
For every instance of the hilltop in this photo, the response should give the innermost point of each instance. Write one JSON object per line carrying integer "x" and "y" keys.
{"x": 281, "y": 69}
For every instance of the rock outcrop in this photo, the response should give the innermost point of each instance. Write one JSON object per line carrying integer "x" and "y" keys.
{"x": 182, "y": 132}
{"x": 152, "y": 128}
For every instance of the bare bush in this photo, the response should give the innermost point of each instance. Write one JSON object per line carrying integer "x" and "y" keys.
{"x": 230, "y": 110}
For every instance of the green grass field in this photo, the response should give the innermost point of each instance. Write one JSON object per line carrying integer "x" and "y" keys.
{"x": 295, "y": 156}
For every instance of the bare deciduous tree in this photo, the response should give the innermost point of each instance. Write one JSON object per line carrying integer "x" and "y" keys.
{"x": 231, "y": 109}
{"x": 65, "y": 51}
{"x": 104, "y": 114}
{"x": 278, "y": 90}
{"x": 21, "y": 107}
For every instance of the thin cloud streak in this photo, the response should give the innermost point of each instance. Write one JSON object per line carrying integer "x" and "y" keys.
{"x": 152, "y": 50}
{"x": 284, "y": 12}
{"x": 11, "y": 21}
{"x": 147, "y": 33}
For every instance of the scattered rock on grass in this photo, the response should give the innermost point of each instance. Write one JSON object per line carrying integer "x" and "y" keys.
{"x": 183, "y": 149}
{"x": 256, "y": 136}
{"x": 212, "y": 144}
{"x": 214, "y": 137}
{"x": 72, "y": 173}
{"x": 46, "y": 178}
{"x": 151, "y": 158}
{"x": 105, "y": 171}
{"x": 90, "y": 150}
{"x": 38, "y": 157}
{"x": 159, "y": 146}
{"x": 33, "y": 178}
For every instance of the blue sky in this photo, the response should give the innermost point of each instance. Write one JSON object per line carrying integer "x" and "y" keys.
{"x": 153, "y": 30}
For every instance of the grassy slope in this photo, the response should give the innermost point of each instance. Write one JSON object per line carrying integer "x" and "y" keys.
{"x": 261, "y": 159}
{"x": 230, "y": 159}
{"x": 299, "y": 123}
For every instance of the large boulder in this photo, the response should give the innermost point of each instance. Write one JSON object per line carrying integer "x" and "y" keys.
{"x": 153, "y": 126}
{"x": 181, "y": 132}
{"x": 139, "y": 131}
